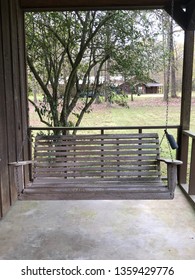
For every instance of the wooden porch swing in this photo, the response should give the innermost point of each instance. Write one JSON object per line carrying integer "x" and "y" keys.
{"x": 97, "y": 166}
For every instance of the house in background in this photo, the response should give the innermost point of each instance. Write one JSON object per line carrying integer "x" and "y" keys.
{"x": 150, "y": 87}
{"x": 141, "y": 87}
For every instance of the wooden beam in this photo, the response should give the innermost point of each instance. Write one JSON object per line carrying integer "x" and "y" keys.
{"x": 86, "y": 4}
{"x": 1, "y": 214}
{"x": 186, "y": 101}
{"x": 191, "y": 15}
{"x": 53, "y": 4}
{"x": 4, "y": 76}
{"x": 179, "y": 15}
{"x": 187, "y": 80}
{"x": 23, "y": 90}
{"x": 13, "y": 110}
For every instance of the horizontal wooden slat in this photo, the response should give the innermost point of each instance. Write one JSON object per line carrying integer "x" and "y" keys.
{"x": 97, "y": 136}
{"x": 98, "y": 174}
{"x": 95, "y": 153}
{"x": 101, "y": 195}
{"x": 99, "y": 162}
{"x": 97, "y": 181}
{"x": 96, "y": 148}
{"x": 133, "y": 188}
{"x": 100, "y": 166}
{"x": 94, "y": 168}
{"x": 97, "y": 158}
{"x": 98, "y": 142}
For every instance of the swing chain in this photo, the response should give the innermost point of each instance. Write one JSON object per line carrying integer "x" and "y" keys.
{"x": 169, "y": 64}
{"x": 167, "y": 97}
{"x": 17, "y": 183}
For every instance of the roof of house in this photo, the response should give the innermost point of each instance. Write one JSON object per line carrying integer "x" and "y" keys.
{"x": 153, "y": 85}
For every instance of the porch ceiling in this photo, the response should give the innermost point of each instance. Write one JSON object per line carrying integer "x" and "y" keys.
{"x": 185, "y": 18}
{"x": 144, "y": 4}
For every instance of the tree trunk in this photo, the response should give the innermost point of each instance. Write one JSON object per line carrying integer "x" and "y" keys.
{"x": 173, "y": 76}
{"x": 165, "y": 39}
{"x": 34, "y": 90}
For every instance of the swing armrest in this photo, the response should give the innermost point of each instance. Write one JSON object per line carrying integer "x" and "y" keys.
{"x": 170, "y": 161}
{"x": 19, "y": 173}
{"x": 171, "y": 173}
{"x": 23, "y": 162}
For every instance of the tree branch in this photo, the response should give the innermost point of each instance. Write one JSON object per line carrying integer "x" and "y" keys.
{"x": 37, "y": 77}
{"x": 88, "y": 104}
{"x": 39, "y": 113}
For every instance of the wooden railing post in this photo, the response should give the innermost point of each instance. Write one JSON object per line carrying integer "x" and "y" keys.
{"x": 30, "y": 146}
{"x": 192, "y": 170}
{"x": 184, "y": 158}
{"x": 0, "y": 192}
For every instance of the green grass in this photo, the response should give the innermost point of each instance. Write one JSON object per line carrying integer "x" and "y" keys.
{"x": 145, "y": 110}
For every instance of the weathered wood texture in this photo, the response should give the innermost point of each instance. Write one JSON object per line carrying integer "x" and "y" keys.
{"x": 13, "y": 111}
{"x": 46, "y": 4}
{"x": 185, "y": 18}
{"x": 192, "y": 168}
{"x": 186, "y": 102}
{"x": 108, "y": 166}
{"x": 191, "y": 15}
{"x": 190, "y": 136}
{"x": 111, "y": 156}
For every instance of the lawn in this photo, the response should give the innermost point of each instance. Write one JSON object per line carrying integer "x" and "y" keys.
{"x": 145, "y": 110}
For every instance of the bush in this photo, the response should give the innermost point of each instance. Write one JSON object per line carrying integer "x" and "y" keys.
{"x": 119, "y": 98}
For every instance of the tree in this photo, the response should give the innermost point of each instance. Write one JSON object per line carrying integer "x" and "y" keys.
{"x": 169, "y": 57}
{"x": 65, "y": 49}
{"x": 64, "y": 46}
{"x": 140, "y": 51}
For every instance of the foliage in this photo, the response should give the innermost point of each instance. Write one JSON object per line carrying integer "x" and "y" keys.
{"x": 137, "y": 52}
{"x": 66, "y": 49}
{"x": 120, "y": 99}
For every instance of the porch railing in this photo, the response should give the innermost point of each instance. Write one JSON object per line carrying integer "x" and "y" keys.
{"x": 102, "y": 129}
{"x": 187, "y": 174}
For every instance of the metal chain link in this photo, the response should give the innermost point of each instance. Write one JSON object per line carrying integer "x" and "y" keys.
{"x": 169, "y": 72}
{"x": 17, "y": 183}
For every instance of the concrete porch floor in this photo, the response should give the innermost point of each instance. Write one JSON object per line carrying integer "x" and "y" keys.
{"x": 103, "y": 230}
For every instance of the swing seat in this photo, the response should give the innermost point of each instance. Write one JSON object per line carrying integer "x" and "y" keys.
{"x": 109, "y": 166}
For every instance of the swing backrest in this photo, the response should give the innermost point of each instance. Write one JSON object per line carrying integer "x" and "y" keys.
{"x": 108, "y": 156}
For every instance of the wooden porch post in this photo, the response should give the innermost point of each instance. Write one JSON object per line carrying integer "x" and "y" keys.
{"x": 186, "y": 102}
{"x": 13, "y": 99}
